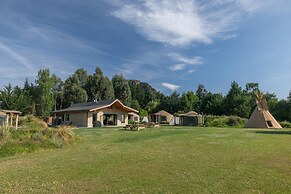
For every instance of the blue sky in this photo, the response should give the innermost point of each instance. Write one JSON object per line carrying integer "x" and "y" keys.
{"x": 171, "y": 44}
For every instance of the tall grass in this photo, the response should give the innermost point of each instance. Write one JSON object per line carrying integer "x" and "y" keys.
{"x": 33, "y": 135}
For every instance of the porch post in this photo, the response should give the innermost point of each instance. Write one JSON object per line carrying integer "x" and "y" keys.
{"x": 7, "y": 119}
{"x": 16, "y": 122}
{"x": 11, "y": 119}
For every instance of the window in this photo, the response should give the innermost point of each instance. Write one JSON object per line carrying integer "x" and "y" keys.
{"x": 67, "y": 117}
{"x": 110, "y": 119}
{"x": 163, "y": 119}
{"x": 122, "y": 118}
{"x": 135, "y": 119}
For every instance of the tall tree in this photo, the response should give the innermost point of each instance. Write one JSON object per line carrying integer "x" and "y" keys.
{"x": 289, "y": 103}
{"x": 281, "y": 111}
{"x": 73, "y": 92}
{"x": 170, "y": 103}
{"x": 135, "y": 105}
{"x": 272, "y": 100}
{"x": 188, "y": 101}
{"x": 236, "y": 102}
{"x": 82, "y": 76}
{"x": 45, "y": 100}
{"x": 200, "y": 93}
{"x": 152, "y": 106}
{"x": 99, "y": 87}
{"x": 6, "y": 96}
{"x": 58, "y": 91}
{"x": 143, "y": 92}
{"x": 252, "y": 87}
{"x": 121, "y": 89}
{"x": 212, "y": 104}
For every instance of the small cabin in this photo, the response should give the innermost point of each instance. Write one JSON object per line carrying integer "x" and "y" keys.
{"x": 162, "y": 117}
{"x": 190, "y": 118}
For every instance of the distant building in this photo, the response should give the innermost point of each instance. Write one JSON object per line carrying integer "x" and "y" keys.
{"x": 95, "y": 114}
{"x": 190, "y": 118}
{"x": 162, "y": 117}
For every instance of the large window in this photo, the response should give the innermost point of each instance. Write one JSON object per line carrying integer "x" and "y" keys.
{"x": 109, "y": 119}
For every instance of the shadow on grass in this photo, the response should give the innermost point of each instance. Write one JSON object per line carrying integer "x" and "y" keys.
{"x": 277, "y": 132}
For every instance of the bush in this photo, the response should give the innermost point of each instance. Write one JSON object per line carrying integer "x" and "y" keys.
{"x": 32, "y": 122}
{"x": 224, "y": 121}
{"x": 285, "y": 124}
{"x": 235, "y": 121}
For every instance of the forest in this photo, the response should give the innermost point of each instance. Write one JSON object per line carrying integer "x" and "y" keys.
{"x": 49, "y": 92}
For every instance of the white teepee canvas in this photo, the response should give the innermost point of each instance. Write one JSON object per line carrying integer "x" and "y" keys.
{"x": 261, "y": 117}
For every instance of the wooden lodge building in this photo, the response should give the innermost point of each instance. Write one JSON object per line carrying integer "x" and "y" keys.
{"x": 95, "y": 114}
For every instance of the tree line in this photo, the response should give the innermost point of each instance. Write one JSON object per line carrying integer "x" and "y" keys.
{"x": 50, "y": 92}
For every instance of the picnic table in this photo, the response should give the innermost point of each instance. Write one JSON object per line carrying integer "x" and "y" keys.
{"x": 134, "y": 127}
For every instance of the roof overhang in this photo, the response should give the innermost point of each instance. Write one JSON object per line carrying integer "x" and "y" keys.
{"x": 10, "y": 111}
{"x": 118, "y": 104}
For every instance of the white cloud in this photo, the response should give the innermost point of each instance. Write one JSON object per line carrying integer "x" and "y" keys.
{"x": 183, "y": 22}
{"x": 178, "y": 67}
{"x": 189, "y": 61}
{"x": 184, "y": 61}
{"x": 191, "y": 71}
{"x": 170, "y": 86}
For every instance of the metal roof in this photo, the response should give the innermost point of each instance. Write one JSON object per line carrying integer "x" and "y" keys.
{"x": 91, "y": 106}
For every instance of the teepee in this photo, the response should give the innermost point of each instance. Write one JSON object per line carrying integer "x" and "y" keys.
{"x": 261, "y": 117}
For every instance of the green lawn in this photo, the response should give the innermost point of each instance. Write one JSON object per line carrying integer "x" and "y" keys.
{"x": 164, "y": 160}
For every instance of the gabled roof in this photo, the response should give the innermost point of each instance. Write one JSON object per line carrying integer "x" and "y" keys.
{"x": 191, "y": 113}
{"x": 188, "y": 114}
{"x": 93, "y": 106}
{"x": 162, "y": 112}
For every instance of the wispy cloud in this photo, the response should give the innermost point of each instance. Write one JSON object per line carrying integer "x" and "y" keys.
{"x": 16, "y": 56}
{"x": 170, "y": 86}
{"x": 178, "y": 67}
{"x": 191, "y": 71}
{"x": 183, "y": 22}
{"x": 184, "y": 61}
{"x": 28, "y": 44}
{"x": 146, "y": 64}
{"x": 190, "y": 61}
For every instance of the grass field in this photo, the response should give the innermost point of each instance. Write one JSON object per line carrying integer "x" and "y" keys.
{"x": 165, "y": 160}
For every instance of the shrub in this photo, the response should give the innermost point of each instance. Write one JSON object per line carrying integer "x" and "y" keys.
{"x": 31, "y": 122}
{"x": 285, "y": 124}
{"x": 224, "y": 121}
{"x": 235, "y": 121}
